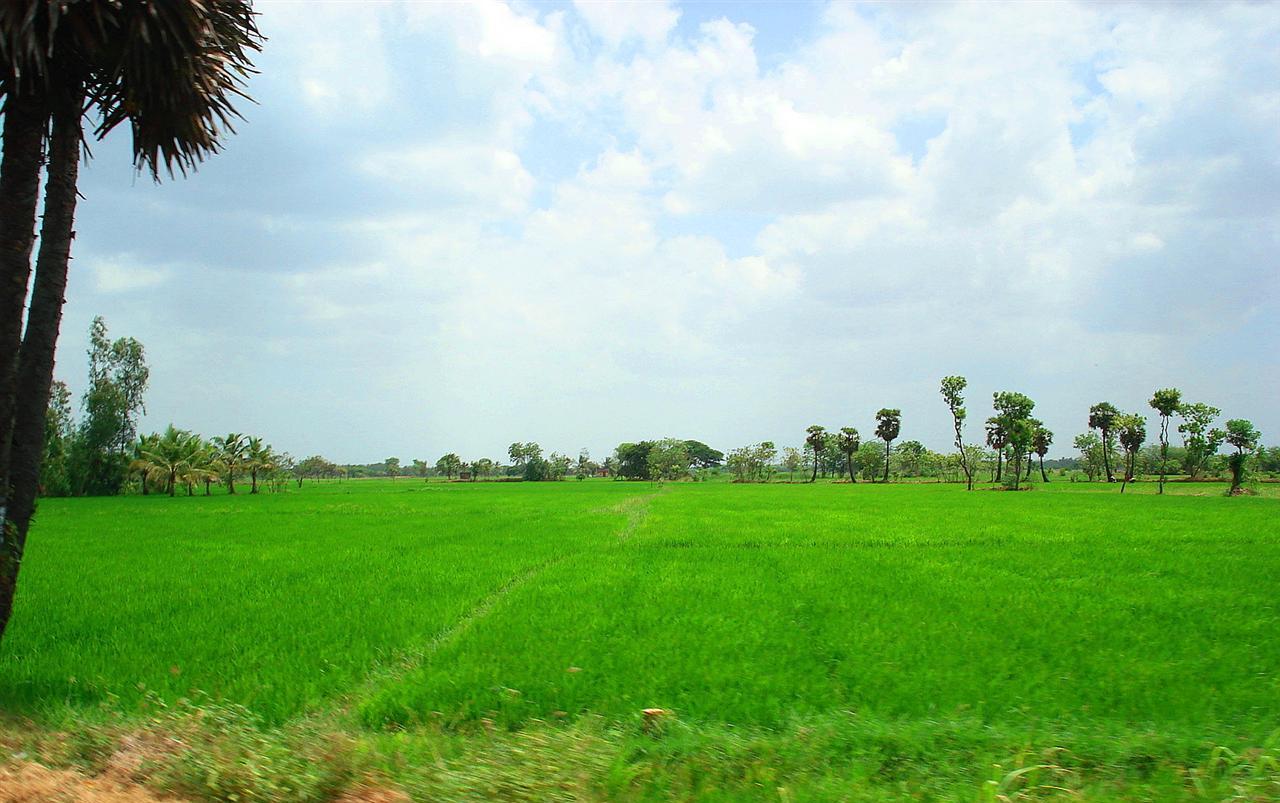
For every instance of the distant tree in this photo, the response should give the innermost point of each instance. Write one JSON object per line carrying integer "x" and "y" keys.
{"x": 1132, "y": 429}
{"x": 1092, "y": 461}
{"x": 258, "y": 459}
{"x": 392, "y": 465}
{"x": 1102, "y": 417}
{"x": 633, "y": 460}
{"x": 558, "y": 466}
{"x": 522, "y": 453}
{"x": 702, "y": 455}
{"x": 668, "y": 460}
{"x": 1013, "y": 416}
{"x": 232, "y": 450}
{"x": 60, "y": 431}
{"x": 1041, "y": 440}
{"x": 1240, "y": 434}
{"x": 421, "y": 469}
{"x": 888, "y": 427}
{"x": 850, "y": 442}
{"x": 171, "y": 458}
{"x": 752, "y": 463}
{"x": 791, "y": 460}
{"x": 484, "y": 467}
{"x": 1166, "y": 403}
{"x": 998, "y": 440}
{"x": 1199, "y": 438}
{"x": 816, "y": 441}
{"x": 953, "y": 392}
{"x": 118, "y": 378}
{"x": 911, "y": 458}
{"x": 449, "y": 464}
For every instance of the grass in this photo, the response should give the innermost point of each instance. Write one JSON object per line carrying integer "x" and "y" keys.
{"x": 831, "y": 641}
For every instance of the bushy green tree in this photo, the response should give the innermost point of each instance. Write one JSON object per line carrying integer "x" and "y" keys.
{"x": 1199, "y": 437}
{"x": 633, "y": 460}
{"x": 668, "y": 460}
{"x": 1241, "y": 434}
{"x": 450, "y": 464}
{"x": 792, "y": 459}
{"x": 911, "y": 456}
{"x": 60, "y": 431}
{"x": 1013, "y": 417}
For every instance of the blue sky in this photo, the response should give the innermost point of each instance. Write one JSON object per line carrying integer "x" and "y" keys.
{"x": 446, "y": 227}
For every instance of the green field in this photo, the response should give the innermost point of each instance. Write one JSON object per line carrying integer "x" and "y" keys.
{"x": 831, "y": 641}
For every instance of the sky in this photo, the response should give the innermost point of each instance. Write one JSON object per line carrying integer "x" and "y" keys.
{"x": 448, "y": 227}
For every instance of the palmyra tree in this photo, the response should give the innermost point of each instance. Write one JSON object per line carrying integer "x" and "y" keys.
{"x": 1102, "y": 417}
{"x": 817, "y": 441}
{"x": 850, "y": 442}
{"x": 1132, "y": 429}
{"x": 888, "y": 427}
{"x": 171, "y": 71}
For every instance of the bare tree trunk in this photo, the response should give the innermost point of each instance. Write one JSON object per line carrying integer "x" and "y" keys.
{"x": 886, "y": 461}
{"x": 1106, "y": 457}
{"x": 853, "y": 477}
{"x": 253, "y": 474}
{"x": 814, "y": 478}
{"x": 25, "y": 116}
{"x": 35, "y": 362}
{"x": 1164, "y": 448}
{"x": 999, "y": 464}
{"x": 1043, "y": 475}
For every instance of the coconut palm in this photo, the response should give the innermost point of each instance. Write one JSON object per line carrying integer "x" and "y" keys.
{"x": 232, "y": 451}
{"x": 258, "y": 459}
{"x": 171, "y": 458}
{"x": 171, "y": 71}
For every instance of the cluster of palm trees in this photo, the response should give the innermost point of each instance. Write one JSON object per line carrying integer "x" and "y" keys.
{"x": 178, "y": 457}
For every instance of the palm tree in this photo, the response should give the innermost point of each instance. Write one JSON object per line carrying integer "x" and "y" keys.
{"x": 172, "y": 71}
{"x": 258, "y": 458}
{"x": 1040, "y": 443}
{"x": 888, "y": 427}
{"x": 138, "y": 464}
{"x": 815, "y": 441}
{"x": 231, "y": 455}
{"x": 1102, "y": 417}
{"x": 998, "y": 439}
{"x": 171, "y": 458}
{"x": 1133, "y": 431}
{"x": 850, "y": 440}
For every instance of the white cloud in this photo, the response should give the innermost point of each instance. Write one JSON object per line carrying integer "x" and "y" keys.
{"x": 620, "y": 21}
{"x": 124, "y": 274}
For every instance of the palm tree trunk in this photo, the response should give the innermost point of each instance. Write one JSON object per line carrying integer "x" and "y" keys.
{"x": 849, "y": 459}
{"x": 1106, "y": 457}
{"x": 814, "y": 478}
{"x": 35, "y": 363}
{"x": 1043, "y": 476}
{"x": 253, "y": 475}
{"x": 24, "y": 126}
{"x": 886, "y": 461}
{"x": 999, "y": 464}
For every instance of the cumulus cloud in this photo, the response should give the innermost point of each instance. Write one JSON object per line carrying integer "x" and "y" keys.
{"x": 466, "y": 224}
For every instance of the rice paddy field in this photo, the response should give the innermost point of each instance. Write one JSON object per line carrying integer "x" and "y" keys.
{"x": 803, "y": 642}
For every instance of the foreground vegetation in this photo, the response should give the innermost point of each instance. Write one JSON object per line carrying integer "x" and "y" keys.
{"x": 801, "y": 641}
